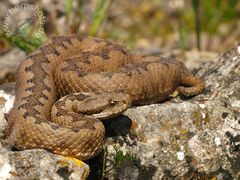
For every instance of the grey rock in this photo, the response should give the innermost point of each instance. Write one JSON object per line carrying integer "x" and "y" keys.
{"x": 32, "y": 164}
{"x": 183, "y": 138}
{"x": 39, "y": 164}
{"x": 10, "y": 61}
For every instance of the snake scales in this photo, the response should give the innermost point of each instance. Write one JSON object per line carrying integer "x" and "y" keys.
{"x": 69, "y": 83}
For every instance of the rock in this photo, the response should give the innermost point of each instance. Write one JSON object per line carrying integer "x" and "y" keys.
{"x": 6, "y": 103}
{"x": 32, "y": 164}
{"x": 188, "y": 138}
{"x": 40, "y": 164}
{"x": 10, "y": 61}
{"x": 183, "y": 138}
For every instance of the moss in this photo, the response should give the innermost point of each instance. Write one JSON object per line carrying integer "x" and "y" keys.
{"x": 199, "y": 120}
{"x": 120, "y": 159}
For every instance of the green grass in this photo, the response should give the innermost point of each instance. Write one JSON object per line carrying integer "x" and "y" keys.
{"x": 68, "y": 8}
{"x": 26, "y": 38}
{"x": 99, "y": 15}
{"x": 154, "y": 22}
{"x": 120, "y": 159}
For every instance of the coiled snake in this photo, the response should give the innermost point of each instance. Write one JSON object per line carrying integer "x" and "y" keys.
{"x": 94, "y": 79}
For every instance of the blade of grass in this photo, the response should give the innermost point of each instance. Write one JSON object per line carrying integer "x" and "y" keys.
{"x": 26, "y": 38}
{"x": 99, "y": 15}
{"x": 182, "y": 38}
{"x": 68, "y": 8}
{"x": 196, "y": 6}
{"x": 20, "y": 43}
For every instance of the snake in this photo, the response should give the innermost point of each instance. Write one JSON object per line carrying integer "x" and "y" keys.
{"x": 69, "y": 85}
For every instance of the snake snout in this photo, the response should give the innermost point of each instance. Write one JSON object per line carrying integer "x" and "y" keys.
{"x": 123, "y": 100}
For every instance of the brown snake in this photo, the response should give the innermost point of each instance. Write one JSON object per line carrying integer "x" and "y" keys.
{"x": 96, "y": 79}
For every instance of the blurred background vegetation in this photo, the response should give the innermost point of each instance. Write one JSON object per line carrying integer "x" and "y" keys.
{"x": 175, "y": 24}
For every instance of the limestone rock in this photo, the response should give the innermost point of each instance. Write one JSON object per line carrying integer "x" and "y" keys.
{"x": 183, "y": 138}
{"x": 32, "y": 164}
{"x": 39, "y": 164}
{"x": 10, "y": 61}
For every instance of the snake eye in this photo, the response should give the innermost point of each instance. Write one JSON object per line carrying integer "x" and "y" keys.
{"x": 112, "y": 102}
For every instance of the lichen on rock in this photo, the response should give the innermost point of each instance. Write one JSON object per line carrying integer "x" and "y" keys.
{"x": 188, "y": 138}
{"x": 182, "y": 138}
{"x": 33, "y": 164}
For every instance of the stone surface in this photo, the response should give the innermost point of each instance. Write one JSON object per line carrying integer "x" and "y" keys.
{"x": 195, "y": 138}
{"x": 39, "y": 164}
{"x": 32, "y": 164}
{"x": 183, "y": 138}
{"x": 10, "y": 61}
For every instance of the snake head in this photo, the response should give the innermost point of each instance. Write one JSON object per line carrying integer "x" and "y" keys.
{"x": 114, "y": 104}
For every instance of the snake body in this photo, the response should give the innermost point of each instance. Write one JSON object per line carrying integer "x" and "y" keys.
{"x": 68, "y": 84}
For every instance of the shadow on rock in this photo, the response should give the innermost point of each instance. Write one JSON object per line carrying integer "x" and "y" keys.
{"x": 118, "y": 126}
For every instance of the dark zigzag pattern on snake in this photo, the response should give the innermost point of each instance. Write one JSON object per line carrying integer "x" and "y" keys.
{"x": 105, "y": 78}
